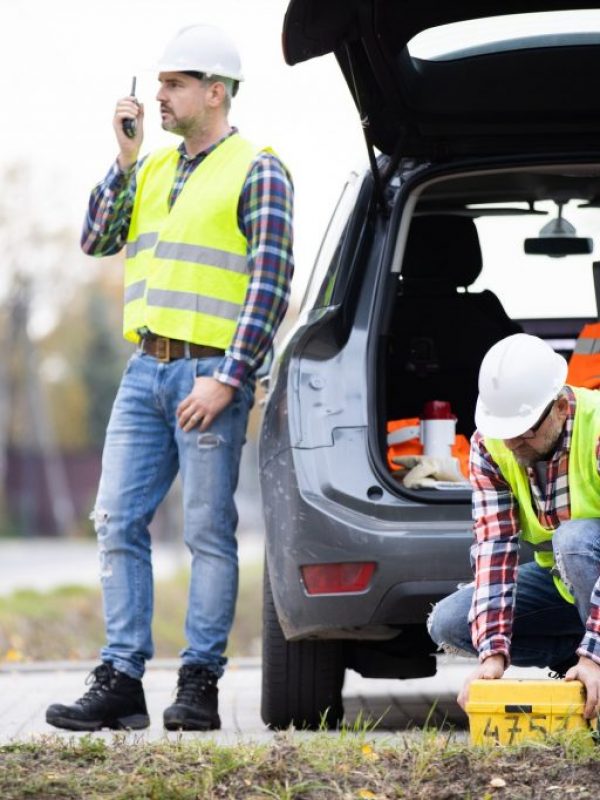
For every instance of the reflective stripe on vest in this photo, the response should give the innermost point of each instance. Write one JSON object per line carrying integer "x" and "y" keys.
{"x": 186, "y": 269}
{"x": 584, "y": 364}
{"x": 583, "y": 481}
{"x": 144, "y": 242}
{"x": 587, "y": 347}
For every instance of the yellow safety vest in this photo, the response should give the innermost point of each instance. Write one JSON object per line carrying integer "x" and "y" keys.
{"x": 583, "y": 479}
{"x": 186, "y": 269}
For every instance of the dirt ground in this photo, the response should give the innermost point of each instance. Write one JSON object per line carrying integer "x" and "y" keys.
{"x": 292, "y": 767}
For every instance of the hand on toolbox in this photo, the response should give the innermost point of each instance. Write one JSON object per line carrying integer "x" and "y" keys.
{"x": 491, "y": 669}
{"x": 424, "y": 471}
{"x": 588, "y": 672}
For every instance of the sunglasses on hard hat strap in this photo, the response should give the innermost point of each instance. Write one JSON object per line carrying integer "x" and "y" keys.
{"x": 532, "y": 432}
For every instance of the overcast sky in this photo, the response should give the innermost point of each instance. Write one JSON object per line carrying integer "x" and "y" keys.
{"x": 65, "y": 63}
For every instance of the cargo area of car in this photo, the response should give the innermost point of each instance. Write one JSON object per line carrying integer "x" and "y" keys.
{"x": 464, "y": 281}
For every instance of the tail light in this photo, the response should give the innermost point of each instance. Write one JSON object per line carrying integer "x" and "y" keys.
{"x": 344, "y": 578}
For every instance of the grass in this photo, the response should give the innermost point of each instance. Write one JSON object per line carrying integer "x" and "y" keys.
{"x": 429, "y": 766}
{"x": 66, "y": 623}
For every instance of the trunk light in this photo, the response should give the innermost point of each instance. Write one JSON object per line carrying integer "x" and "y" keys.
{"x": 343, "y": 578}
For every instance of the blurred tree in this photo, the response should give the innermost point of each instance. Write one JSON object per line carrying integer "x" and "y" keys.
{"x": 83, "y": 359}
{"x": 101, "y": 368}
{"x": 39, "y": 429}
{"x": 60, "y": 346}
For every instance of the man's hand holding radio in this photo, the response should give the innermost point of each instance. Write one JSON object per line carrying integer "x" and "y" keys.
{"x": 129, "y": 148}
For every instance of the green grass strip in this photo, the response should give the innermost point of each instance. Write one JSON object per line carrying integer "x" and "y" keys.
{"x": 348, "y": 765}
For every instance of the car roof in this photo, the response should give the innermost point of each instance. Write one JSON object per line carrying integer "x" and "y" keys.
{"x": 532, "y": 93}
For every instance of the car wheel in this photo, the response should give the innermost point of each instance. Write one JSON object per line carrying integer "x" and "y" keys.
{"x": 301, "y": 680}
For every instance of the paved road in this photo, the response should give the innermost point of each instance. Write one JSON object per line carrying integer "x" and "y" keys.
{"x": 45, "y": 563}
{"x": 26, "y": 691}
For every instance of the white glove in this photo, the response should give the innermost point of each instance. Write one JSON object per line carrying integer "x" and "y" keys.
{"x": 425, "y": 471}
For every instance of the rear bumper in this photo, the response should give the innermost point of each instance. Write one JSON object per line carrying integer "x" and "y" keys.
{"x": 421, "y": 555}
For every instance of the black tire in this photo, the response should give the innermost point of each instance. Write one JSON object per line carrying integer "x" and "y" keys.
{"x": 302, "y": 680}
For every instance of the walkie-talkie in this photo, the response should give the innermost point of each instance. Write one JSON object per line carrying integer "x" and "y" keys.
{"x": 129, "y": 125}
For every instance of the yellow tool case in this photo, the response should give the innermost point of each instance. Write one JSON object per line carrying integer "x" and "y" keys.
{"x": 509, "y": 712}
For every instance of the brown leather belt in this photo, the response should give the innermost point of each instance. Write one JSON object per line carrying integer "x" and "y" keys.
{"x": 165, "y": 349}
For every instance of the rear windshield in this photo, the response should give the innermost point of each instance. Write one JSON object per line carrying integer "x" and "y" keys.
{"x": 538, "y": 286}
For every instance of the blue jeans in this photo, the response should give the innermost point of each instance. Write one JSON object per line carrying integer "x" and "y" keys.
{"x": 143, "y": 451}
{"x": 547, "y": 629}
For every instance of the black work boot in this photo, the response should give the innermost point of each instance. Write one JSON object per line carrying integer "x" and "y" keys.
{"x": 114, "y": 700}
{"x": 196, "y": 705}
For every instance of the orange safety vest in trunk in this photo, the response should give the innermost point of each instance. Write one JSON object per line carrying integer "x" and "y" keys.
{"x": 584, "y": 364}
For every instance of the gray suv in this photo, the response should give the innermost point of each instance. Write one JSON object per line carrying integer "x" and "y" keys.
{"x": 455, "y": 237}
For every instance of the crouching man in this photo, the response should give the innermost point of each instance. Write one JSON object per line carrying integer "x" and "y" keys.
{"x": 535, "y": 471}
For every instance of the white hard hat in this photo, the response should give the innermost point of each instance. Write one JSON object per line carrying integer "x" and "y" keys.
{"x": 202, "y": 48}
{"x": 519, "y": 376}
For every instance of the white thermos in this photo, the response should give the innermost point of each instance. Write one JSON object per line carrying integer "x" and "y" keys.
{"x": 438, "y": 429}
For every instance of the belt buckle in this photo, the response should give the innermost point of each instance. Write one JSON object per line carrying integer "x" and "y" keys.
{"x": 163, "y": 348}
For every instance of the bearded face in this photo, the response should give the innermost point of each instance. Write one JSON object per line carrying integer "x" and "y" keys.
{"x": 527, "y": 451}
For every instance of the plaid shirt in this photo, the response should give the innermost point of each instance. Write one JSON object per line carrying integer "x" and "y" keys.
{"x": 495, "y": 551}
{"x": 265, "y": 211}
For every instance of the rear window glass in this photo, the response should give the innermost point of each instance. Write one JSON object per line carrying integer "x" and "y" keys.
{"x": 512, "y": 31}
{"x": 535, "y": 286}
{"x": 322, "y": 280}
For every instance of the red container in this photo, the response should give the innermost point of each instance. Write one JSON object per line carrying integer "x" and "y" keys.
{"x": 437, "y": 409}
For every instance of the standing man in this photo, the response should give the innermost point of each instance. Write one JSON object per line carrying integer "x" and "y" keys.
{"x": 535, "y": 470}
{"x": 207, "y": 228}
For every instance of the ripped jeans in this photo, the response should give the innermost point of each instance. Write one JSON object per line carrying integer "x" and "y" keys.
{"x": 547, "y": 630}
{"x": 143, "y": 452}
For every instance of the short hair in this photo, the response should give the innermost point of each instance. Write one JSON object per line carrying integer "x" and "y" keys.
{"x": 230, "y": 84}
